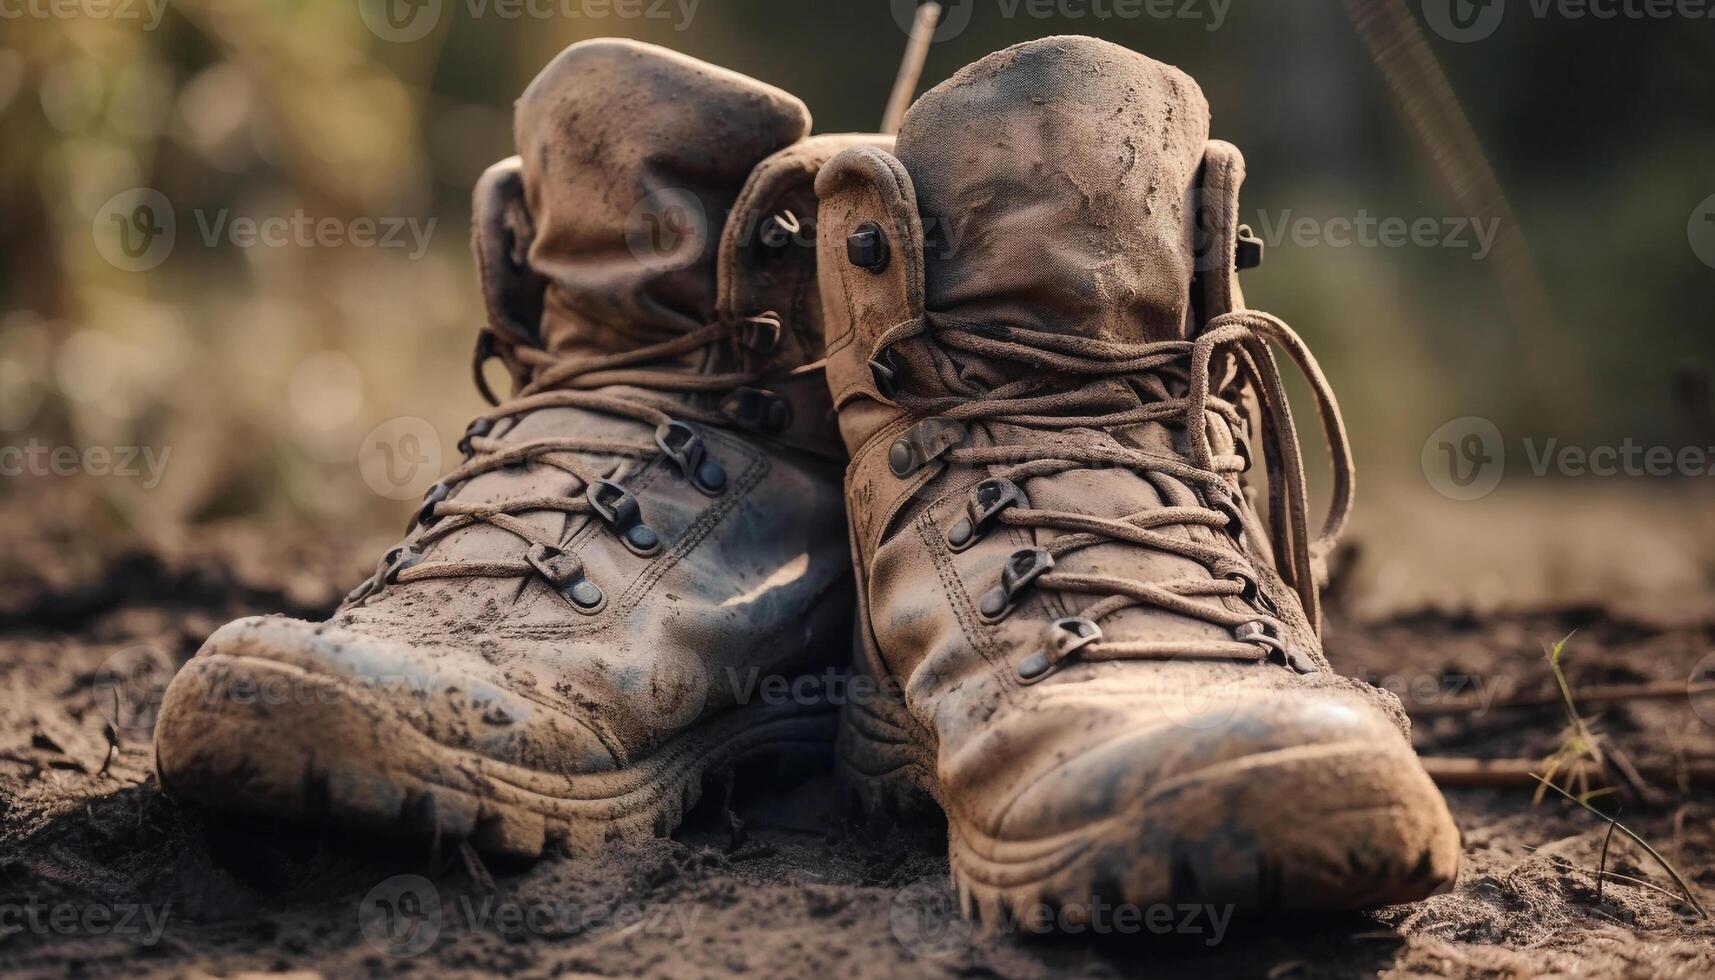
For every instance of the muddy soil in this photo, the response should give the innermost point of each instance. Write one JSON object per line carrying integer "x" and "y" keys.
{"x": 101, "y": 874}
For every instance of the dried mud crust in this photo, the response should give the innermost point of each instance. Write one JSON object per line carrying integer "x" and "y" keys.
{"x": 770, "y": 874}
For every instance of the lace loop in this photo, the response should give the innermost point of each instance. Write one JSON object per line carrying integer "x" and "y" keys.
{"x": 639, "y": 384}
{"x": 1171, "y": 383}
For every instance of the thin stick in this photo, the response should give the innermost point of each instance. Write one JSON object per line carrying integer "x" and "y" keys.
{"x": 911, "y": 67}
{"x": 1460, "y": 771}
{"x": 1602, "y": 865}
{"x": 1653, "y": 691}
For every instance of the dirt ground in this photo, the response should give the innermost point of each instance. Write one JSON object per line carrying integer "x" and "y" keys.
{"x": 101, "y": 874}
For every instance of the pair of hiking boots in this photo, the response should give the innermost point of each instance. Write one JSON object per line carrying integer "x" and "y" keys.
{"x": 1019, "y": 334}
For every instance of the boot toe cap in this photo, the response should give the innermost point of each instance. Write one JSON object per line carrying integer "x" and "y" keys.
{"x": 1306, "y": 801}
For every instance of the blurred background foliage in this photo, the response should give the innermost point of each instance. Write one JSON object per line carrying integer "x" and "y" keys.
{"x": 263, "y": 368}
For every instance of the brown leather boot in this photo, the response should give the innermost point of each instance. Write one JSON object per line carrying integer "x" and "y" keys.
{"x": 565, "y": 640}
{"x": 1093, "y": 653}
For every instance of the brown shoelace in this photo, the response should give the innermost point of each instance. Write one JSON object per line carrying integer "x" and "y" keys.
{"x": 622, "y": 385}
{"x": 1173, "y": 380}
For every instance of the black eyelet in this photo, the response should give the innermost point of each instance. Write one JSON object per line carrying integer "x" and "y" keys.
{"x": 684, "y": 446}
{"x": 758, "y": 410}
{"x": 924, "y": 443}
{"x": 1237, "y": 571}
{"x": 1248, "y": 250}
{"x": 1064, "y": 637}
{"x": 398, "y": 560}
{"x": 760, "y": 334}
{"x": 425, "y": 516}
{"x": 476, "y": 429}
{"x": 1229, "y": 503}
{"x": 1022, "y": 568}
{"x": 884, "y": 369}
{"x": 565, "y": 572}
{"x": 1267, "y": 635}
{"x": 867, "y": 247}
{"x": 987, "y": 500}
{"x": 395, "y": 561}
{"x": 620, "y": 511}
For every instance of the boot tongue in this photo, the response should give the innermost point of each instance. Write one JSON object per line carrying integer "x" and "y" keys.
{"x": 1055, "y": 180}
{"x": 632, "y": 158}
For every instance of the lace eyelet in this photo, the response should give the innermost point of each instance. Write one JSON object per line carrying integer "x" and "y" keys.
{"x": 1064, "y": 638}
{"x": 1267, "y": 635}
{"x": 683, "y": 445}
{"x": 621, "y": 512}
{"x": 760, "y": 334}
{"x": 565, "y": 572}
{"x": 425, "y": 515}
{"x": 1232, "y": 506}
{"x": 885, "y": 371}
{"x": 1022, "y": 568}
{"x": 982, "y": 510}
{"x": 395, "y": 561}
{"x": 477, "y": 428}
{"x": 758, "y": 410}
{"x": 398, "y": 560}
{"x": 1246, "y": 577}
{"x": 867, "y": 248}
{"x": 924, "y": 443}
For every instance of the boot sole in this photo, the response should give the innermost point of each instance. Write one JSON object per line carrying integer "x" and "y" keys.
{"x": 1390, "y": 839}
{"x": 343, "y": 757}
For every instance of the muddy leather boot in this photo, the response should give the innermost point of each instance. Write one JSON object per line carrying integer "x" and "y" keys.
{"x": 578, "y": 622}
{"x": 1092, "y": 652}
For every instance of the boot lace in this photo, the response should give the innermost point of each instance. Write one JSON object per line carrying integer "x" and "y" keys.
{"x": 1168, "y": 382}
{"x": 626, "y": 385}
